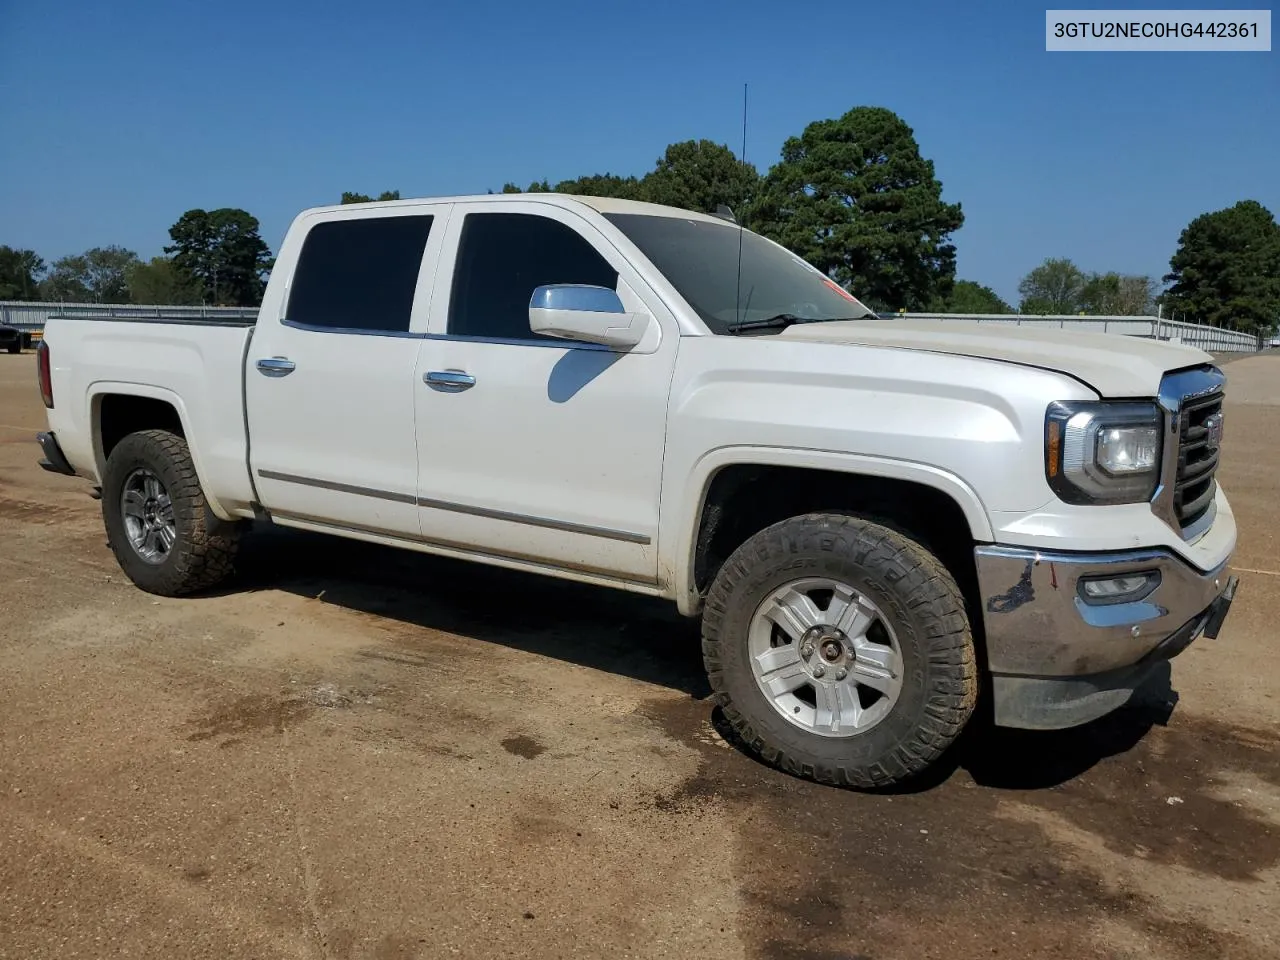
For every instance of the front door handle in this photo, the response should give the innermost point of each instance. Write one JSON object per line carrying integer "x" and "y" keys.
{"x": 454, "y": 380}
{"x": 276, "y": 366}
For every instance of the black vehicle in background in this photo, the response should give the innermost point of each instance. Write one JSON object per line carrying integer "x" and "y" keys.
{"x": 11, "y": 339}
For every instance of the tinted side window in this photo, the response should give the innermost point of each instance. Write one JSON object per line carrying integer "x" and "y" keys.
{"x": 502, "y": 257}
{"x": 359, "y": 274}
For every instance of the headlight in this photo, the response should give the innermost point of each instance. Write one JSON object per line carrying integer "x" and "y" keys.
{"x": 1103, "y": 452}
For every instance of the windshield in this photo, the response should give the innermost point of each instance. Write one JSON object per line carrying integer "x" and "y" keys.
{"x": 700, "y": 259}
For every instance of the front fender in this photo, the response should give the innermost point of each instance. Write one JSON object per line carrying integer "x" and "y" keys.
{"x": 682, "y": 529}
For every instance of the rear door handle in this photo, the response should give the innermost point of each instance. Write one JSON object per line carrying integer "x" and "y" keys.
{"x": 276, "y": 366}
{"x": 454, "y": 380}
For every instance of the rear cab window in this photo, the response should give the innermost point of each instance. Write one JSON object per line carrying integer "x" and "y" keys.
{"x": 358, "y": 275}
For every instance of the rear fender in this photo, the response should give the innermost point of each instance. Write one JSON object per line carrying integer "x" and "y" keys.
{"x": 104, "y": 388}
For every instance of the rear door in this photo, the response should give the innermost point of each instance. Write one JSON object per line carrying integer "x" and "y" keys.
{"x": 330, "y": 387}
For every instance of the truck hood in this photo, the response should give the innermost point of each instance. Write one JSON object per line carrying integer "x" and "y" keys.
{"x": 1114, "y": 365}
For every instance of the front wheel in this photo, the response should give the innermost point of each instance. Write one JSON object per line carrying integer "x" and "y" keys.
{"x": 839, "y": 650}
{"x": 159, "y": 525}
{"x": 15, "y": 347}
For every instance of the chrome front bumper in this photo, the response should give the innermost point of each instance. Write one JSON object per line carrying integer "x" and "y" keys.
{"x": 1058, "y": 660}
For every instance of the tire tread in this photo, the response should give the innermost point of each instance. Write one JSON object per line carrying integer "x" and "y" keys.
{"x": 930, "y": 592}
{"x": 206, "y": 547}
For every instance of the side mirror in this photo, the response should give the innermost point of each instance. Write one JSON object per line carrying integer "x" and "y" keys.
{"x": 580, "y": 312}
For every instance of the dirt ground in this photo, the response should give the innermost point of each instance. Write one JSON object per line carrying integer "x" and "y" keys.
{"x": 357, "y": 752}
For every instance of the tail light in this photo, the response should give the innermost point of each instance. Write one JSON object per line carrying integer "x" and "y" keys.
{"x": 46, "y": 378}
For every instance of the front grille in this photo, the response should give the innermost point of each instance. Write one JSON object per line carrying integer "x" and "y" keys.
{"x": 1195, "y": 486}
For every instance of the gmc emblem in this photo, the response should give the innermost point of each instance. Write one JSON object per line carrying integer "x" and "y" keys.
{"x": 1214, "y": 425}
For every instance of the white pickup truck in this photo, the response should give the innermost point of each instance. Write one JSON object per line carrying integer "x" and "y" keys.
{"x": 875, "y": 519}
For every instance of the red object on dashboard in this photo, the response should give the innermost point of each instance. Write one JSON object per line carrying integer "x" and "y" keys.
{"x": 840, "y": 290}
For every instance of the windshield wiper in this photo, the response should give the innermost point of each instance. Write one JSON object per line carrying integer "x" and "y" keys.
{"x": 779, "y": 321}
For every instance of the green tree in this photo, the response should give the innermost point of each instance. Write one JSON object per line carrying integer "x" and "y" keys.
{"x": 695, "y": 175}
{"x": 20, "y": 272}
{"x": 1100, "y": 293}
{"x": 108, "y": 273}
{"x": 365, "y": 198}
{"x": 1111, "y": 294}
{"x": 592, "y": 185}
{"x": 969, "y": 297}
{"x": 223, "y": 251}
{"x": 602, "y": 185}
{"x": 538, "y": 186}
{"x": 67, "y": 280}
{"x": 1053, "y": 287}
{"x": 1137, "y": 296}
{"x": 855, "y": 198}
{"x": 161, "y": 281}
{"x": 1226, "y": 270}
{"x": 701, "y": 175}
{"x": 95, "y": 276}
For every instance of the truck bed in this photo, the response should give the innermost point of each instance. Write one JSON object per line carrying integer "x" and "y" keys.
{"x": 194, "y": 364}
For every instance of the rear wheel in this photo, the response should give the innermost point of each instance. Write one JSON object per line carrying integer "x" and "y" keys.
{"x": 840, "y": 651}
{"x": 159, "y": 525}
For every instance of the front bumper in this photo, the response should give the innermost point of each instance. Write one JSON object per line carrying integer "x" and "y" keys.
{"x": 1059, "y": 661}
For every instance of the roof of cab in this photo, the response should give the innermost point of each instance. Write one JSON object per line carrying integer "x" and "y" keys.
{"x": 599, "y": 204}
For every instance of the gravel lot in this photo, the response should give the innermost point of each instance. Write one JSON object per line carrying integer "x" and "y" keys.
{"x": 356, "y": 752}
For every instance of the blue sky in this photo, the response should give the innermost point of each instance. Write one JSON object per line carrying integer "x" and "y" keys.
{"x": 117, "y": 117}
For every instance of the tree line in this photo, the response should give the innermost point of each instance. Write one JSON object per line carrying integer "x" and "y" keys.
{"x": 216, "y": 257}
{"x": 1225, "y": 272}
{"x": 852, "y": 195}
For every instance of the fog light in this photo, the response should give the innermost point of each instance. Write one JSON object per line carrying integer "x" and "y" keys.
{"x": 1121, "y": 589}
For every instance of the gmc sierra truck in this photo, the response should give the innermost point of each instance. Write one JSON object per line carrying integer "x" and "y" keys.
{"x": 874, "y": 518}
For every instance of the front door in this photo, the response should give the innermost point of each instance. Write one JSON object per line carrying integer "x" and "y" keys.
{"x": 529, "y": 447}
{"x": 330, "y": 382}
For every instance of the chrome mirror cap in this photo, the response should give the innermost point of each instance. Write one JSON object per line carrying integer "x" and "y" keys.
{"x": 578, "y": 297}
{"x": 587, "y": 314}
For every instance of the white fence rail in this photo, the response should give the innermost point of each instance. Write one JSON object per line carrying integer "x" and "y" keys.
{"x": 31, "y": 317}
{"x": 1211, "y": 339}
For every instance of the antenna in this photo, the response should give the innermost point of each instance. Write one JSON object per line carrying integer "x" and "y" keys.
{"x": 742, "y": 158}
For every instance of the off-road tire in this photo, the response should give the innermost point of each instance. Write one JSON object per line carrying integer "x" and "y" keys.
{"x": 205, "y": 549}
{"x": 911, "y": 588}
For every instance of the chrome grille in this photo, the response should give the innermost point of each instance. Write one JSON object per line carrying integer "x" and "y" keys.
{"x": 1195, "y": 485}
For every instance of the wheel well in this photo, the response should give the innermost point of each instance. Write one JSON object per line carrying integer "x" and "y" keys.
{"x": 120, "y": 415}
{"x": 744, "y": 499}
